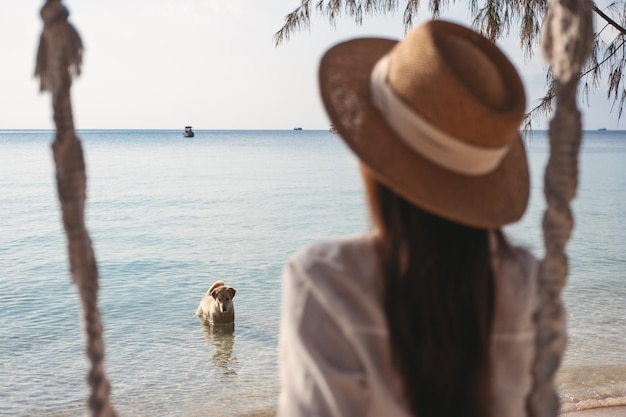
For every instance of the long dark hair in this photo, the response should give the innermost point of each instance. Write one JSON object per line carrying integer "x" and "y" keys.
{"x": 439, "y": 301}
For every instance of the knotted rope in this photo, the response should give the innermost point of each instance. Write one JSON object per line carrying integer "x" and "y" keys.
{"x": 567, "y": 37}
{"x": 58, "y": 60}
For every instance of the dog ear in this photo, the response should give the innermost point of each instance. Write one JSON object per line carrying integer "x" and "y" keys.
{"x": 232, "y": 292}
{"x": 214, "y": 292}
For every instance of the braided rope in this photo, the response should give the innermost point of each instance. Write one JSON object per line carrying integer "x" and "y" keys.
{"x": 567, "y": 37}
{"x": 58, "y": 59}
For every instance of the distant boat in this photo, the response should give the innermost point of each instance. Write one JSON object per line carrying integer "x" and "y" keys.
{"x": 297, "y": 128}
{"x": 188, "y": 133}
{"x": 602, "y": 129}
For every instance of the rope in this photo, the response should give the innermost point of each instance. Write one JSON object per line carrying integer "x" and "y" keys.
{"x": 567, "y": 38}
{"x": 58, "y": 60}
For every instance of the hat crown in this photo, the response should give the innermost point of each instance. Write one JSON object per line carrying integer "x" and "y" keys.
{"x": 460, "y": 82}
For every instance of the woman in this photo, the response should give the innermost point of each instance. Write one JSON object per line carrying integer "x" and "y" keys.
{"x": 430, "y": 314}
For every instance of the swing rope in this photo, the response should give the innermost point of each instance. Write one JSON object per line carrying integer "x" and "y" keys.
{"x": 58, "y": 60}
{"x": 567, "y": 37}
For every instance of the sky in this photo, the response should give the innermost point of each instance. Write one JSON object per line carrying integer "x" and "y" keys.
{"x": 161, "y": 64}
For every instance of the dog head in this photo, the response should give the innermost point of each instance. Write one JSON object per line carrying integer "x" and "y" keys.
{"x": 224, "y": 296}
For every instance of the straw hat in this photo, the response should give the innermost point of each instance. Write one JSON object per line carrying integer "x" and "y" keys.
{"x": 436, "y": 118}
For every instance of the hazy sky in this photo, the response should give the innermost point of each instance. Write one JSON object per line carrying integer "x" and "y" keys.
{"x": 159, "y": 64}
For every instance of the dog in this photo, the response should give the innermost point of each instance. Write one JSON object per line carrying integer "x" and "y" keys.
{"x": 216, "y": 307}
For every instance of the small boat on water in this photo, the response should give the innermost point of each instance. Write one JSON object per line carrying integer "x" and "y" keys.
{"x": 188, "y": 133}
{"x": 297, "y": 128}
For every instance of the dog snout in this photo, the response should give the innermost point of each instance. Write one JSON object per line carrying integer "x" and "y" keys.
{"x": 224, "y": 308}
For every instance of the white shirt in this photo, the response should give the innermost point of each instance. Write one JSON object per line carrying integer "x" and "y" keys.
{"x": 335, "y": 356}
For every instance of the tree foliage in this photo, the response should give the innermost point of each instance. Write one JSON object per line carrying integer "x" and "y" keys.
{"x": 496, "y": 19}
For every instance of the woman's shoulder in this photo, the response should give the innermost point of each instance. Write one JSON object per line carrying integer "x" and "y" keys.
{"x": 512, "y": 262}
{"x": 526, "y": 261}
{"x": 339, "y": 263}
{"x": 342, "y": 274}
{"x": 337, "y": 254}
{"x": 516, "y": 282}
{"x": 516, "y": 263}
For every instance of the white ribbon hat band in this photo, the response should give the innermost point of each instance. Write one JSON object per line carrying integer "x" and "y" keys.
{"x": 423, "y": 137}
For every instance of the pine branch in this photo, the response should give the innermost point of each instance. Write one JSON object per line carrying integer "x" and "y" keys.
{"x": 493, "y": 18}
{"x": 608, "y": 19}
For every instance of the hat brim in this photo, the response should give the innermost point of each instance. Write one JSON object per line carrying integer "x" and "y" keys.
{"x": 485, "y": 201}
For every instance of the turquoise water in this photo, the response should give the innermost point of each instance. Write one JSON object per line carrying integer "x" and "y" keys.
{"x": 168, "y": 216}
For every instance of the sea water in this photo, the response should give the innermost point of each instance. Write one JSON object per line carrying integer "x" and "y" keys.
{"x": 170, "y": 215}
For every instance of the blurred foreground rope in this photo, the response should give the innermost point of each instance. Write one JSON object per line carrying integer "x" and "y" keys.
{"x": 567, "y": 39}
{"x": 58, "y": 60}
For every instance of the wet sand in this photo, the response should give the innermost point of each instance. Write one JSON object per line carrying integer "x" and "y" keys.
{"x": 598, "y": 412}
{"x": 595, "y": 412}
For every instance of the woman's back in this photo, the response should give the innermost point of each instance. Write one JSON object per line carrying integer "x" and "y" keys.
{"x": 343, "y": 366}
